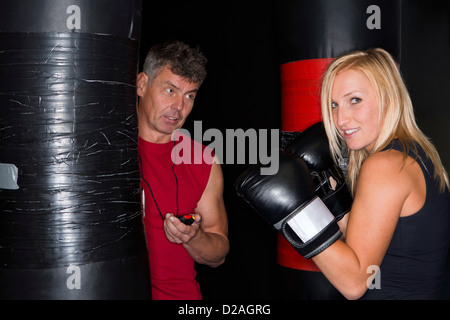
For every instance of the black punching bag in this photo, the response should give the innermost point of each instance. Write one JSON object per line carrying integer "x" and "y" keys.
{"x": 311, "y": 34}
{"x": 70, "y": 220}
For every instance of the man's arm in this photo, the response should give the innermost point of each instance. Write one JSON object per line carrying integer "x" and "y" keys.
{"x": 206, "y": 240}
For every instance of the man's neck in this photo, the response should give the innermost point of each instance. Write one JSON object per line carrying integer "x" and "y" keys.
{"x": 155, "y": 137}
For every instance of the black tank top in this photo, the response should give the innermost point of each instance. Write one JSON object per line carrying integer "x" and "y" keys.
{"x": 414, "y": 264}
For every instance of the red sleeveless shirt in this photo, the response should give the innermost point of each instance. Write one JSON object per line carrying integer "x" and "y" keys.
{"x": 171, "y": 188}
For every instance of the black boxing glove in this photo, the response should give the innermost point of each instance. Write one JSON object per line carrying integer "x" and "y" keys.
{"x": 312, "y": 146}
{"x": 287, "y": 201}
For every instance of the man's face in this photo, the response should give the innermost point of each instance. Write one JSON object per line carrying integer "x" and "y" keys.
{"x": 163, "y": 105}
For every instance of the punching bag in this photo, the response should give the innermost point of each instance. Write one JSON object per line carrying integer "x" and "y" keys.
{"x": 311, "y": 34}
{"x": 70, "y": 219}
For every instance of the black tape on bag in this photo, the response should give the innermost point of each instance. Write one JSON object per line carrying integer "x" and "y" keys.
{"x": 68, "y": 123}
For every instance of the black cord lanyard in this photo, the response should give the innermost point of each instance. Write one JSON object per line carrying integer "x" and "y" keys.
{"x": 148, "y": 184}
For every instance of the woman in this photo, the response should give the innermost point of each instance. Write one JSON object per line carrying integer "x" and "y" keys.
{"x": 399, "y": 223}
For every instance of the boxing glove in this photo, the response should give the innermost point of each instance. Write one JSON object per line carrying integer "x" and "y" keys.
{"x": 312, "y": 146}
{"x": 288, "y": 202}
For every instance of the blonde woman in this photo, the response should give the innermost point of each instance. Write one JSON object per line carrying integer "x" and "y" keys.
{"x": 399, "y": 223}
{"x": 394, "y": 241}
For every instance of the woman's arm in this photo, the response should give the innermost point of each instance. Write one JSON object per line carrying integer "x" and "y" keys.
{"x": 383, "y": 186}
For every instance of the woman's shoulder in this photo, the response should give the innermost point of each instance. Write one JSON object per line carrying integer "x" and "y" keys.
{"x": 389, "y": 168}
{"x": 385, "y": 161}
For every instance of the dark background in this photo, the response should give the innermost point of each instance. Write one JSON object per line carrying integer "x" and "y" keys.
{"x": 242, "y": 90}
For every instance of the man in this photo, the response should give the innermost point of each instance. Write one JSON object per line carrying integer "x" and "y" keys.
{"x": 167, "y": 87}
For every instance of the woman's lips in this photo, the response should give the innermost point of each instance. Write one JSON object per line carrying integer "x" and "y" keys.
{"x": 348, "y": 133}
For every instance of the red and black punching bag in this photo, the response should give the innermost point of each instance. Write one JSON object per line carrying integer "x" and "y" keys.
{"x": 311, "y": 34}
{"x": 70, "y": 220}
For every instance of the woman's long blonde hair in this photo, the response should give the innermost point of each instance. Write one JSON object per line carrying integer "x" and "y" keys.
{"x": 395, "y": 110}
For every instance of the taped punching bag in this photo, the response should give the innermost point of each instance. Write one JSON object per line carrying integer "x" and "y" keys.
{"x": 311, "y": 34}
{"x": 70, "y": 220}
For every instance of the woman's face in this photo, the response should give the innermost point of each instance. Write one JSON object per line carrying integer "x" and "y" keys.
{"x": 355, "y": 109}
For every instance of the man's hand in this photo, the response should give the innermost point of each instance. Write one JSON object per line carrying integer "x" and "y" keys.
{"x": 177, "y": 232}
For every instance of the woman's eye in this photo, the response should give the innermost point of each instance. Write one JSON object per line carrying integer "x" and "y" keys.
{"x": 356, "y": 100}
{"x": 333, "y": 104}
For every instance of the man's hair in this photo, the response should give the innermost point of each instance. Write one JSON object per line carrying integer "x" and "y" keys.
{"x": 181, "y": 59}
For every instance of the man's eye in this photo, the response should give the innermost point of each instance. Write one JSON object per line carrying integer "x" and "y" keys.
{"x": 190, "y": 96}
